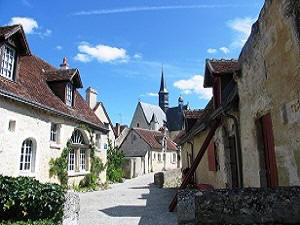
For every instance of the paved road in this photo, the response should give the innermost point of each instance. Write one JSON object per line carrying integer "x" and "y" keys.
{"x": 134, "y": 202}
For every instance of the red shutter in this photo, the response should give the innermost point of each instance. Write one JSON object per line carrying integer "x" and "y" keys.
{"x": 212, "y": 165}
{"x": 270, "y": 158}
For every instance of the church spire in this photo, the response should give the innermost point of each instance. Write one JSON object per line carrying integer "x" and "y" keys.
{"x": 163, "y": 86}
{"x": 163, "y": 93}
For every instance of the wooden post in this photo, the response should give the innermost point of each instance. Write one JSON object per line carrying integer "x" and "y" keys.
{"x": 196, "y": 162}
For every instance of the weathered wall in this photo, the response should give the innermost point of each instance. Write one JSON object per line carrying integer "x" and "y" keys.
{"x": 239, "y": 206}
{"x": 161, "y": 165}
{"x": 133, "y": 167}
{"x": 270, "y": 83}
{"x": 139, "y": 117}
{"x": 34, "y": 124}
{"x": 134, "y": 145}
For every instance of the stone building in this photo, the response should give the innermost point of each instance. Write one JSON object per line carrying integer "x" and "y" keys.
{"x": 219, "y": 165}
{"x": 269, "y": 92}
{"x": 148, "y": 151}
{"x": 41, "y": 109}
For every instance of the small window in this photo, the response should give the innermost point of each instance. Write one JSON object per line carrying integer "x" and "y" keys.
{"x": 105, "y": 146}
{"x": 106, "y": 125}
{"x": 69, "y": 94}
{"x": 27, "y": 156}
{"x": 154, "y": 156}
{"x": 164, "y": 157}
{"x": 82, "y": 159}
{"x": 159, "y": 157}
{"x": 137, "y": 125}
{"x": 71, "y": 161}
{"x": 53, "y": 132}
{"x": 7, "y": 62}
{"x": 98, "y": 140}
{"x": 174, "y": 157}
{"x": 12, "y": 125}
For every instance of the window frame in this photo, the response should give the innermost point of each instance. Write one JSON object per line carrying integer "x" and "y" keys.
{"x": 27, "y": 157}
{"x": 14, "y": 63}
{"x": 69, "y": 94}
{"x": 54, "y": 134}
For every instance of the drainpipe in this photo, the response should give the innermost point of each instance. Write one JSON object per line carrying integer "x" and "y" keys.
{"x": 238, "y": 146}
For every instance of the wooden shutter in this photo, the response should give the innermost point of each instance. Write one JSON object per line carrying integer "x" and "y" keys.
{"x": 270, "y": 158}
{"x": 212, "y": 165}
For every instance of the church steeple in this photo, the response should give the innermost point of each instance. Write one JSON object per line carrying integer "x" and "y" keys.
{"x": 163, "y": 93}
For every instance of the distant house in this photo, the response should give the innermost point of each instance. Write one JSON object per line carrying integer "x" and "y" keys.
{"x": 148, "y": 151}
{"x": 154, "y": 117}
{"x": 41, "y": 109}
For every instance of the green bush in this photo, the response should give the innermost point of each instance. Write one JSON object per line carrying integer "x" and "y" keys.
{"x": 115, "y": 160}
{"x": 24, "y": 198}
{"x": 29, "y": 222}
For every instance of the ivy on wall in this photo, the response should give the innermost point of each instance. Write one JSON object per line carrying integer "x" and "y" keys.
{"x": 59, "y": 166}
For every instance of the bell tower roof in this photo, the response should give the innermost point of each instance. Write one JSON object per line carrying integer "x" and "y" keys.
{"x": 163, "y": 86}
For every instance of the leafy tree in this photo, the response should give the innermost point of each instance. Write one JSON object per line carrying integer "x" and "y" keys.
{"x": 115, "y": 161}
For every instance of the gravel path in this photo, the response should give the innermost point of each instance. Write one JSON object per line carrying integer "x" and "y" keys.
{"x": 134, "y": 202}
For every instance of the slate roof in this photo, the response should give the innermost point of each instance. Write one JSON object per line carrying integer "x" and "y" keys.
{"x": 153, "y": 138}
{"x": 31, "y": 88}
{"x": 175, "y": 118}
{"x": 150, "y": 109}
{"x": 219, "y": 67}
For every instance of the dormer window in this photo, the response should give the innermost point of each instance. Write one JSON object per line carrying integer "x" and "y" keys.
{"x": 7, "y": 62}
{"x": 69, "y": 94}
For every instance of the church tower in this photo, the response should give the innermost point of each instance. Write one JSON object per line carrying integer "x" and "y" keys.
{"x": 163, "y": 93}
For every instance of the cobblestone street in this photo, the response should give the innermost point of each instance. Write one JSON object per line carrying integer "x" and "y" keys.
{"x": 134, "y": 202}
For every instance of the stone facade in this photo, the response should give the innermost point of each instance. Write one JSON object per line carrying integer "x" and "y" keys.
{"x": 239, "y": 206}
{"x": 35, "y": 124}
{"x": 270, "y": 83}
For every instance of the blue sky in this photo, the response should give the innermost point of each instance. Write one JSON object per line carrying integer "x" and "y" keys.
{"x": 119, "y": 46}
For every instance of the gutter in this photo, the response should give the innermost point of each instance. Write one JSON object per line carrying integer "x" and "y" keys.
{"x": 49, "y": 109}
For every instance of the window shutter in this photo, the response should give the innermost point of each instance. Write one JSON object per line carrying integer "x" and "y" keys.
{"x": 212, "y": 165}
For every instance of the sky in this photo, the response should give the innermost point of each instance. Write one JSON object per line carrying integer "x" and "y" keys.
{"x": 120, "y": 46}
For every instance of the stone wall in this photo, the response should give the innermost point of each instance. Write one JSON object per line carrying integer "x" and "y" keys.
{"x": 270, "y": 83}
{"x": 240, "y": 206}
{"x": 71, "y": 209}
{"x": 170, "y": 178}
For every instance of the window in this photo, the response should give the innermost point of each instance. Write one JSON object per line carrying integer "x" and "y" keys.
{"x": 69, "y": 94}
{"x": 159, "y": 157}
{"x": 164, "y": 157}
{"x": 12, "y": 125}
{"x": 82, "y": 159}
{"x": 137, "y": 125}
{"x": 98, "y": 140}
{"x": 105, "y": 146}
{"x": 174, "y": 157}
{"x": 53, "y": 132}
{"x": 27, "y": 156}
{"x": 154, "y": 156}
{"x": 71, "y": 161}
{"x": 77, "y": 137}
{"x": 7, "y": 62}
{"x": 106, "y": 125}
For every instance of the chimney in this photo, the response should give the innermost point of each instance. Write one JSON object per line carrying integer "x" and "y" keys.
{"x": 91, "y": 97}
{"x": 118, "y": 129}
{"x": 64, "y": 65}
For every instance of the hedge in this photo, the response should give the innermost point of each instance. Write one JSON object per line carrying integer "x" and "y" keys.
{"x": 24, "y": 198}
{"x": 29, "y": 222}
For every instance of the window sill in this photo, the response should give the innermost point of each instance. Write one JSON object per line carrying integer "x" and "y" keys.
{"x": 77, "y": 174}
{"x": 27, "y": 174}
{"x": 54, "y": 145}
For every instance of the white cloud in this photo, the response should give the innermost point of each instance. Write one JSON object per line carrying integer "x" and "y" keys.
{"x": 83, "y": 58}
{"x": 29, "y": 24}
{"x": 137, "y": 56}
{"x": 194, "y": 85}
{"x": 225, "y": 50}
{"x": 47, "y": 33}
{"x": 102, "y": 53}
{"x": 58, "y": 47}
{"x": 151, "y": 94}
{"x": 212, "y": 50}
{"x": 242, "y": 28}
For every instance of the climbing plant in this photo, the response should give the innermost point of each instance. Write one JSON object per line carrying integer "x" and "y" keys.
{"x": 59, "y": 166}
{"x": 115, "y": 161}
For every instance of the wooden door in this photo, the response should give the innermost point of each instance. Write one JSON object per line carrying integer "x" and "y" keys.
{"x": 269, "y": 152}
{"x": 233, "y": 163}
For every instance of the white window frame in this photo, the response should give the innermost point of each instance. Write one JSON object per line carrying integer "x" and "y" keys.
{"x": 159, "y": 157}
{"x": 82, "y": 159}
{"x": 69, "y": 94}
{"x": 72, "y": 160}
{"x": 54, "y": 132}
{"x": 7, "y": 65}
{"x": 27, "y": 158}
{"x": 174, "y": 156}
